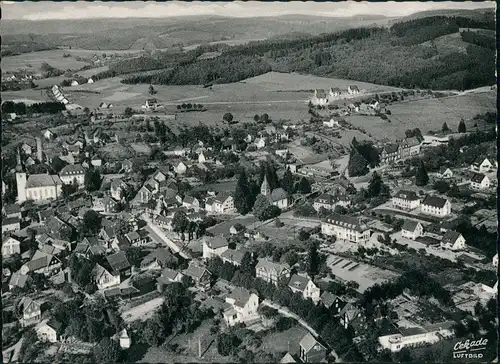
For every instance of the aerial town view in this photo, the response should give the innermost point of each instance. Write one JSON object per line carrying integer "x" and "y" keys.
{"x": 249, "y": 182}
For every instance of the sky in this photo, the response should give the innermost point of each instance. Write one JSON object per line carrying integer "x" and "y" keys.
{"x": 46, "y": 10}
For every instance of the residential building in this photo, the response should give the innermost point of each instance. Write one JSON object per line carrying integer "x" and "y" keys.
{"x": 206, "y": 156}
{"x": 479, "y": 181}
{"x": 332, "y": 302}
{"x": 214, "y": 246}
{"x": 138, "y": 238}
{"x": 288, "y": 359}
{"x": 326, "y": 201}
{"x": 32, "y": 311}
{"x": 10, "y": 224}
{"x": 167, "y": 277}
{"x": 305, "y": 286}
{"x": 103, "y": 278}
{"x": 311, "y": 351}
{"x": 38, "y": 187}
{"x": 27, "y": 149}
{"x": 260, "y": 143}
{"x": 191, "y": 203}
{"x": 353, "y": 316}
{"x": 272, "y": 272}
{"x": 150, "y": 104}
{"x": 49, "y": 135}
{"x": 49, "y": 331}
{"x": 243, "y": 306}
{"x": 119, "y": 264}
{"x": 118, "y": 189}
{"x": 389, "y": 154}
{"x": 346, "y": 228}
{"x": 181, "y": 168}
{"x": 200, "y": 275}
{"x": 42, "y": 263}
{"x": 158, "y": 259}
{"x": 481, "y": 165}
{"x": 320, "y": 98}
{"x": 71, "y": 173}
{"x": 124, "y": 338}
{"x": 453, "y": 240}
{"x": 17, "y": 279}
{"x": 10, "y": 246}
{"x": 234, "y": 257}
{"x": 445, "y": 173}
{"x": 409, "y": 147}
{"x": 223, "y": 203}
{"x": 435, "y": 206}
{"x": 353, "y": 90}
{"x": 495, "y": 260}
{"x": 406, "y": 200}
{"x": 412, "y": 229}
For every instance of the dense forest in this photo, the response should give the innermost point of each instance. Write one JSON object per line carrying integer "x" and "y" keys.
{"x": 393, "y": 56}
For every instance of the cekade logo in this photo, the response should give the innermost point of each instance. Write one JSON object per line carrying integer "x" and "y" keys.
{"x": 469, "y": 349}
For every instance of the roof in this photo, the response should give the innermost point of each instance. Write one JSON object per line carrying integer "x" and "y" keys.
{"x": 353, "y": 87}
{"x": 278, "y": 194}
{"x": 434, "y": 201}
{"x": 410, "y": 331}
{"x": 450, "y": 237}
{"x": 118, "y": 261}
{"x": 298, "y": 282}
{"x": 478, "y": 177}
{"x": 269, "y": 265}
{"x": 195, "y": 271}
{"x": 325, "y": 198}
{"x": 240, "y": 296}
{"x": 288, "y": 358}
{"x": 234, "y": 255}
{"x": 328, "y": 298}
{"x": 222, "y": 197}
{"x": 348, "y": 222}
{"x": 391, "y": 148}
{"x": 216, "y": 242}
{"x": 19, "y": 280}
{"x": 162, "y": 255}
{"x": 320, "y": 94}
{"x": 407, "y": 195}
{"x": 56, "y": 325}
{"x": 169, "y": 273}
{"x": 42, "y": 180}
{"x": 12, "y": 209}
{"x": 132, "y": 236}
{"x": 410, "y": 225}
{"x": 308, "y": 342}
{"x": 10, "y": 220}
{"x": 410, "y": 142}
{"x": 72, "y": 169}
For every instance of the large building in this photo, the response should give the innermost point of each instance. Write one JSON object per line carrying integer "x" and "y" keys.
{"x": 436, "y": 206}
{"x": 277, "y": 197}
{"x": 346, "y": 228}
{"x": 71, "y": 173}
{"x": 38, "y": 187}
{"x": 406, "y": 200}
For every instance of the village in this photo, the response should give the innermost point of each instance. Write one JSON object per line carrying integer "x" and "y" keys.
{"x": 258, "y": 232}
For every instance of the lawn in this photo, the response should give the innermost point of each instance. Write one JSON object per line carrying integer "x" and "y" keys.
{"x": 141, "y": 148}
{"x": 288, "y": 340}
{"x": 33, "y": 61}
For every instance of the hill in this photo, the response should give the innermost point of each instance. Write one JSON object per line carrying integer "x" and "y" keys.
{"x": 475, "y": 14}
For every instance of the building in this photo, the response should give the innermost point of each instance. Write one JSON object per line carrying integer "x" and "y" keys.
{"x": 38, "y": 187}
{"x": 277, "y": 197}
{"x": 213, "y": 247}
{"x": 191, "y": 203}
{"x": 409, "y": 147}
{"x": 150, "y": 104}
{"x": 260, "y": 143}
{"x": 311, "y": 351}
{"x": 10, "y": 246}
{"x": 103, "y": 278}
{"x": 453, "y": 240}
{"x": 242, "y": 308}
{"x": 200, "y": 275}
{"x": 406, "y": 200}
{"x": 234, "y": 257}
{"x": 320, "y": 98}
{"x": 181, "y": 168}
{"x": 13, "y": 210}
{"x": 412, "y": 229}
{"x": 119, "y": 264}
{"x": 332, "y": 302}
{"x": 495, "y": 260}
{"x": 435, "y": 206}
{"x": 445, "y": 173}
{"x": 326, "y": 201}
{"x": 32, "y": 311}
{"x": 305, "y": 286}
{"x": 118, "y": 189}
{"x": 288, "y": 359}
{"x": 10, "y": 224}
{"x": 72, "y": 173}
{"x": 223, "y": 203}
{"x": 49, "y": 135}
{"x": 272, "y": 272}
{"x": 479, "y": 181}
{"x": 398, "y": 338}
{"x": 205, "y": 156}
{"x": 124, "y": 338}
{"x": 353, "y": 90}
{"x": 481, "y": 165}
{"x": 346, "y": 228}
{"x": 168, "y": 276}
{"x": 49, "y": 331}
{"x": 389, "y": 154}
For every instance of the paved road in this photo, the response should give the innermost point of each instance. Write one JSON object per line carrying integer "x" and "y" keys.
{"x": 161, "y": 235}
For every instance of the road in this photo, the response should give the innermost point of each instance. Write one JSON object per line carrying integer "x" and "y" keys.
{"x": 285, "y": 312}
{"x": 142, "y": 311}
{"x": 242, "y": 102}
{"x": 161, "y": 235}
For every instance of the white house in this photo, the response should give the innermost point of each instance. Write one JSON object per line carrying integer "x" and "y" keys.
{"x": 305, "y": 286}
{"x": 412, "y": 229}
{"x": 71, "y": 173}
{"x": 103, "y": 278}
{"x": 481, "y": 165}
{"x": 10, "y": 224}
{"x": 445, "y": 173}
{"x": 332, "y": 123}
{"x": 325, "y": 201}
{"x": 32, "y": 311}
{"x": 150, "y": 104}
{"x": 118, "y": 189}
{"x": 180, "y": 168}
{"x": 353, "y": 90}
{"x": 223, "y": 203}
{"x": 205, "y": 156}
{"x": 10, "y": 246}
{"x": 271, "y": 272}
{"x": 346, "y": 228}
{"x": 435, "y": 206}
{"x": 90, "y": 80}
{"x": 38, "y": 187}
{"x": 479, "y": 181}
{"x": 125, "y": 341}
{"x": 214, "y": 246}
{"x": 311, "y": 351}
{"x": 49, "y": 331}
{"x": 74, "y": 83}
{"x": 191, "y": 203}
{"x": 453, "y": 240}
{"x": 406, "y": 200}
{"x": 242, "y": 308}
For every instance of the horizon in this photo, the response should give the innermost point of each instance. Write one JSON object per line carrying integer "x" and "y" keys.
{"x": 46, "y": 11}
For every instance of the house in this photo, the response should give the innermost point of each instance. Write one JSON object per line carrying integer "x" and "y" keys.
{"x": 118, "y": 189}
{"x": 223, "y": 203}
{"x": 243, "y": 306}
{"x": 168, "y": 276}
{"x": 138, "y": 238}
{"x": 234, "y": 257}
{"x": 332, "y": 302}
{"x": 495, "y": 260}
{"x": 71, "y": 173}
{"x": 409, "y": 147}
{"x": 119, "y": 264}
{"x": 214, "y": 246}
{"x": 74, "y": 83}
{"x": 205, "y": 156}
{"x": 445, "y": 173}
{"x": 38, "y": 187}
{"x": 311, "y": 351}
{"x": 453, "y": 240}
{"x": 288, "y": 359}
{"x": 260, "y": 143}
{"x": 283, "y": 153}
{"x": 124, "y": 338}
{"x": 350, "y": 315}
{"x": 96, "y": 161}
{"x": 42, "y": 263}
{"x": 150, "y": 104}
{"x": 27, "y": 149}
{"x": 191, "y": 203}
{"x": 11, "y": 224}
{"x": 49, "y": 330}
{"x": 481, "y": 165}
{"x": 127, "y": 166}
{"x": 18, "y": 279}
{"x": 10, "y": 246}
{"x": 436, "y": 206}
{"x": 396, "y": 338}
{"x": 49, "y": 135}
{"x": 158, "y": 259}
{"x": 479, "y": 181}
{"x": 405, "y": 200}
{"x": 389, "y": 153}
{"x": 320, "y": 98}
{"x": 346, "y": 228}
{"x": 181, "y": 168}
{"x": 412, "y": 229}
{"x": 200, "y": 275}
{"x": 325, "y": 201}
{"x": 333, "y": 123}
{"x": 32, "y": 311}
{"x": 103, "y": 278}
{"x": 278, "y": 197}
{"x": 272, "y": 272}
{"x": 305, "y": 286}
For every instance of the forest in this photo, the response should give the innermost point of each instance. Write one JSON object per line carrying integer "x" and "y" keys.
{"x": 389, "y": 56}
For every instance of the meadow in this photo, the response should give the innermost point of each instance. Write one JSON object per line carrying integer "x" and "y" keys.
{"x": 33, "y": 61}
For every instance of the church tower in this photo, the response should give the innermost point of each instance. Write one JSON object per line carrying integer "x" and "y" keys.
{"x": 265, "y": 189}
{"x": 21, "y": 187}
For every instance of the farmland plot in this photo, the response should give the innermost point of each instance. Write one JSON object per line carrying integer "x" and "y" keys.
{"x": 33, "y": 61}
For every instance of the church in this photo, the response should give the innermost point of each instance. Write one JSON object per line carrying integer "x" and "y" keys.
{"x": 277, "y": 197}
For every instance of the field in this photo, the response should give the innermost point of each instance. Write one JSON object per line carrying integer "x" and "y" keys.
{"x": 427, "y": 115}
{"x": 449, "y": 43}
{"x": 92, "y": 71}
{"x": 141, "y": 148}
{"x": 33, "y": 61}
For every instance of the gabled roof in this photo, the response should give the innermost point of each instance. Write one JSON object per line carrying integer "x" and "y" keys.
{"x": 216, "y": 242}
{"x": 270, "y": 266}
{"x": 410, "y": 225}
{"x": 328, "y": 299}
{"x": 390, "y": 148}
{"x": 478, "y": 177}
{"x": 407, "y": 195}
{"x": 98, "y": 271}
{"x": 450, "y": 237}
{"x": 410, "y": 142}
{"x": 72, "y": 169}
{"x": 287, "y": 359}
{"x": 195, "y": 271}
{"x": 347, "y": 222}
{"x": 240, "y": 296}
{"x": 234, "y": 255}
{"x": 308, "y": 342}
{"x": 278, "y": 194}
{"x": 434, "y": 201}
{"x": 10, "y": 220}
{"x": 325, "y": 198}
{"x": 298, "y": 282}
{"x": 170, "y": 274}
{"x": 12, "y": 209}
{"x": 42, "y": 180}
{"x": 118, "y": 261}
{"x": 222, "y": 197}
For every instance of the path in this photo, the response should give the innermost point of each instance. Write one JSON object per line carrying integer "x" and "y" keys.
{"x": 15, "y": 348}
{"x": 143, "y": 311}
{"x": 160, "y": 234}
{"x": 285, "y": 312}
{"x": 242, "y": 102}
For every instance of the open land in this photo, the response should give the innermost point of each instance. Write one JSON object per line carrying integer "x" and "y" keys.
{"x": 33, "y": 61}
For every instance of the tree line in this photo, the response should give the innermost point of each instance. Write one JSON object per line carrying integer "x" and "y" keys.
{"x": 21, "y": 108}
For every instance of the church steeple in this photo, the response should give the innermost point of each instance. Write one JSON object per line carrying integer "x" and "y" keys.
{"x": 265, "y": 189}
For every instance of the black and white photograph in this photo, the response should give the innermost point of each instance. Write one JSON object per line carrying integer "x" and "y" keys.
{"x": 249, "y": 182}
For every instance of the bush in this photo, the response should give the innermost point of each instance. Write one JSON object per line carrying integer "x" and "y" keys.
{"x": 284, "y": 323}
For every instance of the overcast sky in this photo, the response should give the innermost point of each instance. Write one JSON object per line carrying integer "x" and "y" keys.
{"x": 81, "y": 10}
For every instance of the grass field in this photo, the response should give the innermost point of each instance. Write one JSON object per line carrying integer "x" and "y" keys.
{"x": 92, "y": 71}
{"x": 33, "y": 61}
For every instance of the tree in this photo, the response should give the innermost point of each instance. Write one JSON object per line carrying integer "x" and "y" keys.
{"x": 312, "y": 260}
{"x": 151, "y": 90}
{"x": 441, "y": 186}
{"x": 92, "y": 180}
{"x": 228, "y": 117}
{"x": 107, "y": 351}
{"x": 461, "y": 127}
{"x": 421, "y": 176}
{"x": 68, "y": 189}
{"x": 260, "y": 206}
{"x": 271, "y": 212}
{"x": 153, "y": 333}
{"x": 134, "y": 256}
{"x": 227, "y": 344}
{"x": 290, "y": 257}
{"x": 357, "y": 166}
{"x": 91, "y": 222}
{"x": 256, "y": 118}
{"x": 86, "y": 111}
{"x": 445, "y": 128}
{"x": 304, "y": 186}
{"x": 128, "y": 112}
{"x": 90, "y": 288}
{"x": 242, "y": 195}
{"x": 180, "y": 222}
{"x": 287, "y": 181}
{"x": 58, "y": 164}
